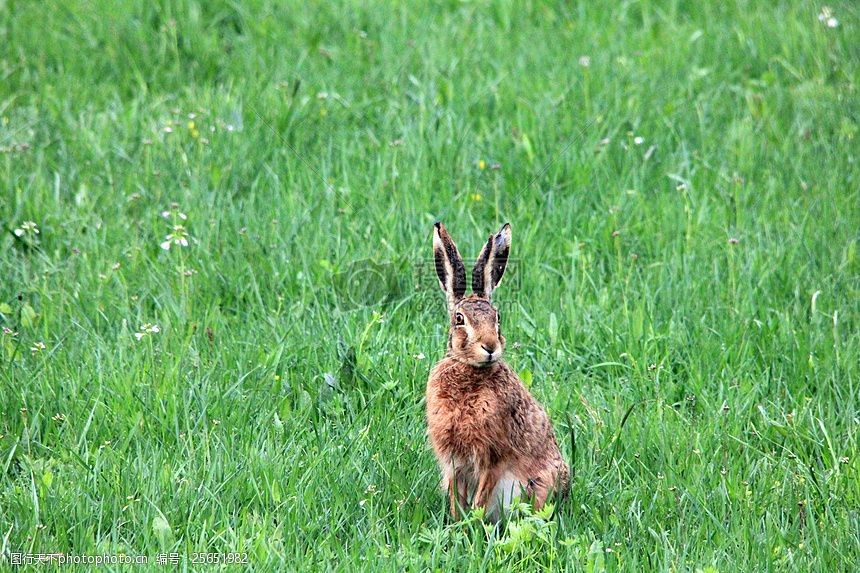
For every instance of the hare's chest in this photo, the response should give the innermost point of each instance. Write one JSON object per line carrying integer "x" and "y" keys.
{"x": 467, "y": 424}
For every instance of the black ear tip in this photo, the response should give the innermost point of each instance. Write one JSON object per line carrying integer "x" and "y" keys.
{"x": 438, "y": 224}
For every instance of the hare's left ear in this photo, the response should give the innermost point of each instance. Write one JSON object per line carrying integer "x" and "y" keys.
{"x": 449, "y": 266}
{"x": 491, "y": 263}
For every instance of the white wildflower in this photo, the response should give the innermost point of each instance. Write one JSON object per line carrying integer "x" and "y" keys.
{"x": 826, "y": 17}
{"x": 147, "y": 330}
{"x": 27, "y": 228}
{"x": 178, "y": 236}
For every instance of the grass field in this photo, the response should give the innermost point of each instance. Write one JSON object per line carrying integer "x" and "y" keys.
{"x": 683, "y": 295}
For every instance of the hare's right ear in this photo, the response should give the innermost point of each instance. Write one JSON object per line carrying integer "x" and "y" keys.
{"x": 491, "y": 263}
{"x": 449, "y": 266}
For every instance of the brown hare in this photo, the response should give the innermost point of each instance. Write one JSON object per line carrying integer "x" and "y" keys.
{"x": 492, "y": 439}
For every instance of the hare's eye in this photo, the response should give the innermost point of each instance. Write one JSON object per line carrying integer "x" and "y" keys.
{"x": 459, "y": 320}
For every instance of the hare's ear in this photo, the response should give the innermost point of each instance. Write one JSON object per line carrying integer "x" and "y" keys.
{"x": 491, "y": 263}
{"x": 449, "y": 266}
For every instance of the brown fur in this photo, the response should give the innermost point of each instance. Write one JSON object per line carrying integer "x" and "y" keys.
{"x": 483, "y": 423}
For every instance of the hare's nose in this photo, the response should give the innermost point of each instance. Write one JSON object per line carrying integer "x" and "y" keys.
{"x": 489, "y": 351}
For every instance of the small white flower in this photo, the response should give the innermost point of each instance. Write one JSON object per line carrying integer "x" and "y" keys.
{"x": 584, "y": 61}
{"x": 147, "y": 329}
{"x": 419, "y": 356}
{"x": 38, "y": 347}
{"x": 178, "y": 236}
{"x": 27, "y": 228}
{"x": 174, "y": 208}
{"x": 826, "y": 17}
{"x": 9, "y": 332}
{"x": 638, "y": 140}
{"x": 168, "y": 129}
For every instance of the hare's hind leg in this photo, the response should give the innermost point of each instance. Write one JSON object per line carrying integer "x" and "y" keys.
{"x": 541, "y": 493}
{"x": 540, "y": 490}
{"x": 537, "y": 490}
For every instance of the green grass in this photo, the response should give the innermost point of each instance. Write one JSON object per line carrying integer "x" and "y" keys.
{"x": 686, "y": 305}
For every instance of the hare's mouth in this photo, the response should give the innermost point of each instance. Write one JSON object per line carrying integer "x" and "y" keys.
{"x": 487, "y": 359}
{"x": 478, "y": 359}
{"x": 482, "y": 362}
